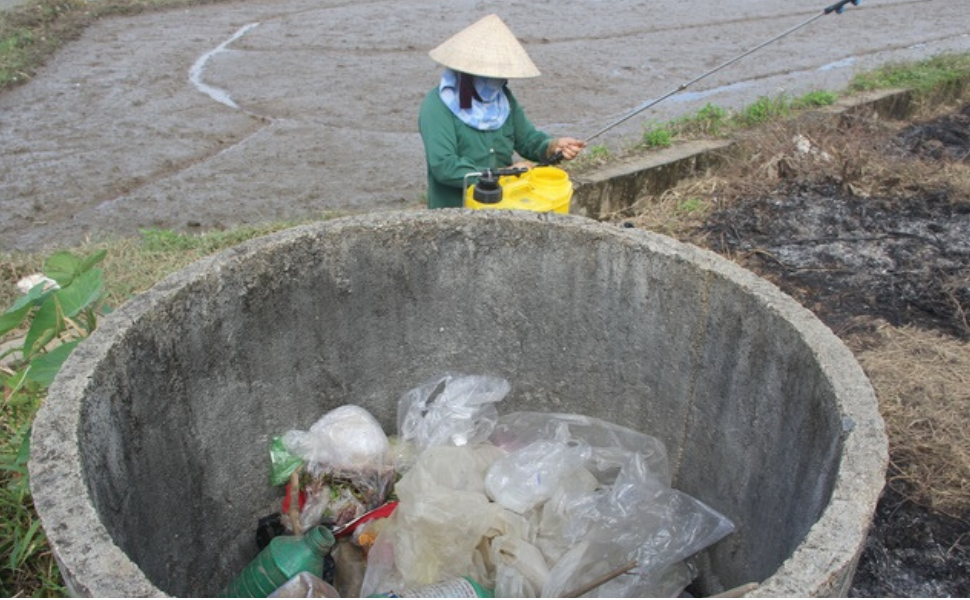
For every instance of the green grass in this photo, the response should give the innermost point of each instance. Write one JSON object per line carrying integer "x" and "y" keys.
{"x": 692, "y": 206}
{"x": 657, "y": 137}
{"x": 815, "y": 99}
{"x": 31, "y": 33}
{"x": 131, "y": 266}
{"x": 599, "y": 152}
{"x": 764, "y": 109}
{"x": 716, "y": 121}
{"x": 924, "y": 76}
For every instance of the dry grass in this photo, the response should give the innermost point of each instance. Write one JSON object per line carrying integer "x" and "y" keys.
{"x": 922, "y": 380}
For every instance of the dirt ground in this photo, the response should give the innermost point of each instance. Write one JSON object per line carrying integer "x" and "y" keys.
{"x": 870, "y": 228}
{"x": 274, "y": 109}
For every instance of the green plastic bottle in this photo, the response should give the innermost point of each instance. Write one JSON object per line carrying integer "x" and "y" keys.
{"x": 284, "y": 557}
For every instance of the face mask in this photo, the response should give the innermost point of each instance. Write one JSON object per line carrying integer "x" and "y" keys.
{"x": 489, "y": 87}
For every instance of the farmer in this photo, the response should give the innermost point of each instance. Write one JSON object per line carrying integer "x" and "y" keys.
{"x": 471, "y": 121}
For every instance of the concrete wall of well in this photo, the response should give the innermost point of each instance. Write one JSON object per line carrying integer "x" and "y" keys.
{"x": 149, "y": 458}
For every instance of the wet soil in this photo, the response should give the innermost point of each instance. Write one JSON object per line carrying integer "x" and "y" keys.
{"x": 903, "y": 258}
{"x": 258, "y": 110}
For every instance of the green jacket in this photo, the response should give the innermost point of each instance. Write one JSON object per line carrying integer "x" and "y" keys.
{"x": 454, "y": 149}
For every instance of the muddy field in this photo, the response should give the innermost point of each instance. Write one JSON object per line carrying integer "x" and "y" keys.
{"x": 261, "y": 110}
{"x": 891, "y": 245}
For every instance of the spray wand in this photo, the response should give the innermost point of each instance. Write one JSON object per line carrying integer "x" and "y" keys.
{"x": 837, "y": 8}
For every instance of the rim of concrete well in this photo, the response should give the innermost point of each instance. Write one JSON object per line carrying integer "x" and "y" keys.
{"x": 822, "y": 565}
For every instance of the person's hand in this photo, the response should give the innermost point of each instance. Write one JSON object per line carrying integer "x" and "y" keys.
{"x": 567, "y": 146}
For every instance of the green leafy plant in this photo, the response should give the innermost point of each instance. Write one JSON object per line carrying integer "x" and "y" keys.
{"x": 57, "y": 313}
{"x": 59, "y": 317}
{"x": 708, "y": 120}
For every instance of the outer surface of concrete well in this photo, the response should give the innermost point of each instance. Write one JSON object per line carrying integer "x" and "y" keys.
{"x": 150, "y": 458}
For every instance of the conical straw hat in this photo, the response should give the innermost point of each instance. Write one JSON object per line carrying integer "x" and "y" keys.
{"x": 487, "y": 48}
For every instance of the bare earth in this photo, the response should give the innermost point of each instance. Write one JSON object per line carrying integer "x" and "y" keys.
{"x": 273, "y": 109}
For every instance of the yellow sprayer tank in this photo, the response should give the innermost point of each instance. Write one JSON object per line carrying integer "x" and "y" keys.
{"x": 540, "y": 189}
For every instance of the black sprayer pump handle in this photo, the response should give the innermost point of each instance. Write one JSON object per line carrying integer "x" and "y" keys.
{"x": 555, "y": 159}
{"x": 839, "y": 7}
{"x": 508, "y": 171}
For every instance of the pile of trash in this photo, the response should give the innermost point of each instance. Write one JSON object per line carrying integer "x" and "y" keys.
{"x": 466, "y": 502}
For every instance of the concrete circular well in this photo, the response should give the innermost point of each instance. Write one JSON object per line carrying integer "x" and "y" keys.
{"x": 149, "y": 463}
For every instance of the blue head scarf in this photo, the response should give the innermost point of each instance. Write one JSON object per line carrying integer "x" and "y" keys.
{"x": 489, "y": 106}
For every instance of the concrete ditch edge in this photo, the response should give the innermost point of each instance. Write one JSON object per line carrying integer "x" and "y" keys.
{"x": 615, "y": 188}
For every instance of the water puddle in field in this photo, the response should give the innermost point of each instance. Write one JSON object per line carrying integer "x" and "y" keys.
{"x": 195, "y": 73}
{"x": 839, "y": 64}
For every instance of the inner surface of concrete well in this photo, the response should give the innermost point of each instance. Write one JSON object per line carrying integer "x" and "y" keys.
{"x": 149, "y": 462}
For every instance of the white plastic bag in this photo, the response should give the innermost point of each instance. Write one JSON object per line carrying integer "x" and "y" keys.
{"x": 452, "y": 410}
{"x": 520, "y": 567}
{"x": 529, "y": 476}
{"x": 347, "y": 438}
{"x": 440, "y": 520}
{"x": 604, "y": 497}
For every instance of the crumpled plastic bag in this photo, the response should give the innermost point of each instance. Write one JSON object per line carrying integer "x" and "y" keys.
{"x": 638, "y": 518}
{"x": 348, "y": 466}
{"x": 305, "y": 585}
{"x": 529, "y": 476}
{"x": 451, "y": 410}
{"x": 520, "y": 567}
{"x": 441, "y": 517}
{"x": 347, "y": 438}
{"x": 542, "y": 507}
{"x": 604, "y": 498}
{"x": 613, "y": 443}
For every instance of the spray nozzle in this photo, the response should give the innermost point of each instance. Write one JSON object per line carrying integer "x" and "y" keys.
{"x": 839, "y": 7}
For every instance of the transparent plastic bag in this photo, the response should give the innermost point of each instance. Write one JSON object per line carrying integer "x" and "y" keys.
{"x": 520, "y": 567}
{"x": 347, "y": 438}
{"x": 305, "y": 585}
{"x": 638, "y": 518}
{"x": 453, "y": 409}
{"x": 440, "y": 521}
{"x": 529, "y": 476}
{"x": 604, "y": 500}
{"x": 576, "y": 498}
{"x": 348, "y": 466}
{"x": 613, "y": 443}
